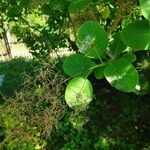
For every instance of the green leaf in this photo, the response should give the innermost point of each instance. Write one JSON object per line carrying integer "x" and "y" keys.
{"x": 78, "y": 65}
{"x": 92, "y": 39}
{"x": 145, "y": 8}
{"x": 122, "y": 75}
{"x": 129, "y": 56}
{"x": 106, "y": 13}
{"x": 99, "y": 72}
{"x": 78, "y": 93}
{"x": 137, "y": 35}
{"x": 117, "y": 46}
{"x": 78, "y": 5}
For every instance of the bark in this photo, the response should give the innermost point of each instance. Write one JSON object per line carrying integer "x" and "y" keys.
{"x": 6, "y": 37}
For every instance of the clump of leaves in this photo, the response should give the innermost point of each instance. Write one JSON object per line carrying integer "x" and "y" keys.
{"x": 113, "y": 61}
{"x": 36, "y": 109}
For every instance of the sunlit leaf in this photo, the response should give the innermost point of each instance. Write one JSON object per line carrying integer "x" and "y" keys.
{"x": 78, "y": 93}
{"x": 78, "y": 65}
{"x": 122, "y": 75}
{"x": 92, "y": 39}
{"x": 137, "y": 35}
{"x": 145, "y": 8}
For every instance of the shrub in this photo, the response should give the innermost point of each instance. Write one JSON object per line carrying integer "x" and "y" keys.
{"x": 36, "y": 108}
{"x": 13, "y": 71}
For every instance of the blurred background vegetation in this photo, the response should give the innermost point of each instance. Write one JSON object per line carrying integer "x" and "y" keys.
{"x": 33, "y": 112}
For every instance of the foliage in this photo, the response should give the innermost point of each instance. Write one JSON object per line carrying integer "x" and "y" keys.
{"x": 13, "y": 71}
{"x": 114, "y": 65}
{"x": 144, "y": 4}
{"x": 79, "y": 89}
{"x": 78, "y": 65}
{"x": 34, "y": 26}
{"x": 51, "y": 24}
{"x": 111, "y": 43}
{"x": 107, "y": 124}
{"x": 36, "y": 108}
{"x": 113, "y": 120}
{"x": 136, "y": 29}
{"x": 93, "y": 40}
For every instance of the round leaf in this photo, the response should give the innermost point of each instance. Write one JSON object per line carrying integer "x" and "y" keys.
{"x": 145, "y": 8}
{"x": 92, "y": 39}
{"x": 129, "y": 56}
{"x": 78, "y": 65}
{"x": 78, "y": 93}
{"x": 122, "y": 75}
{"x": 137, "y": 35}
{"x": 117, "y": 46}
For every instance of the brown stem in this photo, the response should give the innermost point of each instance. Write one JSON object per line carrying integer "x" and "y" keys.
{"x": 6, "y": 39}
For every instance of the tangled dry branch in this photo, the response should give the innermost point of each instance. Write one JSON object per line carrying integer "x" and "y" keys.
{"x": 39, "y": 105}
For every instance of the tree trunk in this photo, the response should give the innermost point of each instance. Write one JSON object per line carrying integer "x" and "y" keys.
{"x": 6, "y": 36}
